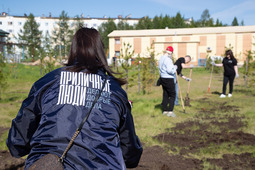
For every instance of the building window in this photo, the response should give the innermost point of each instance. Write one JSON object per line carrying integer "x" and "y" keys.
{"x": 0, "y": 22}
{"x": 10, "y": 31}
{"x": 117, "y": 53}
{"x": 46, "y": 24}
{"x": 9, "y": 23}
{"x": 94, "y": 25}
{"x": 20, "y": 23}
{"x": 117, "y": 41}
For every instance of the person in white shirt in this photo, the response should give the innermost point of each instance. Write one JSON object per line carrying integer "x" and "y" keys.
{"x": 167, "y": 72}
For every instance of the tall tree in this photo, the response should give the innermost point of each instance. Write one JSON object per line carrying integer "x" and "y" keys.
{"x": 242, "y": 23}
{"x": 218, "y": 23}
{"x": 205, "y": 20}
{"x": 31, "y": 36}
{"x": 166, "y": 22}
{"x": 144, "y": 23}
{"x": 62, "y": 35}
{"x": 123, "y": 25}
{"x": 157, "y": 22}
{"x": 235, "y": 22}
{"x": 178, "y": 21}
{"x": 105, "y": 29}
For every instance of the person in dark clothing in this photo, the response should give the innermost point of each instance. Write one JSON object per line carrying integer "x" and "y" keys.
{"x": 180, "y": 63}
{"x": 229, "y": 64}
{"x": 58, "y": 102}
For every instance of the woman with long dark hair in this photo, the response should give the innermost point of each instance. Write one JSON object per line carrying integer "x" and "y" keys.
{"x": 58, "y": 102}
{"x": 229, "y": 64}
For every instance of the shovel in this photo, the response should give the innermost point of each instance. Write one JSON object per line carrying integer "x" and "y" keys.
{"x": 187, "y": 99}
{"x": 180, "y": 92}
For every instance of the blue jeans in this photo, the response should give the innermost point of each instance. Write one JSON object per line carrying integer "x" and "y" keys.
{"x": 176, "y": 101}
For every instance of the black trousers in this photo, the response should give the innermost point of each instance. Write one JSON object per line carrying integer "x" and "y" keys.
{"x": 227, "y": 79}
{"x": 168, "y": 86}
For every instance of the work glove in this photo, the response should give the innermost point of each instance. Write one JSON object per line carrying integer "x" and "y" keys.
{"x": 213, "y": 63}
{"x": 237, "y": 75}
{"x": 191, "y": 65}
{"x": 188, "y": 79}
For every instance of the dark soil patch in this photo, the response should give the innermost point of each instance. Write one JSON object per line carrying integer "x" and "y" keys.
{"x": 209, "y": 128}
{"x": 157, "y": 159}
{"x": 242, "y": 161}
{"x": 212, "y": 127}
{"x": 7, "y": 162}
{"x": 10, "y": 163}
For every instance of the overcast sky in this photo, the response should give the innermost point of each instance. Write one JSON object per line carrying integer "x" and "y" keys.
{"x": 224, "y": 10}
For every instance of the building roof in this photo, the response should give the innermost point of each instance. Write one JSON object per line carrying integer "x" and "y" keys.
{"x": 181, "y": 31}
{"x": 3, "y": 33}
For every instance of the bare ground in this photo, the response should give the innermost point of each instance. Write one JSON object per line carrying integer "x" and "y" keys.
{"x": 187, "y": 139}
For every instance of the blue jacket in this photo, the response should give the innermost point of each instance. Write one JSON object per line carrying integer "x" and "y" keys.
{"x": 53, "y": 110}
{"x": 166, "y": 67}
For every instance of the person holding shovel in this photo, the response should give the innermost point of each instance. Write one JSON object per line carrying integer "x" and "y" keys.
{"x": 229, "y": 64}
{"x": 180, "y": 63}
{"x": 167, "y": 71}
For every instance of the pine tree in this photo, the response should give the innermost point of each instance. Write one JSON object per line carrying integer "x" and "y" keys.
{"x": 235, "y": 22}
{"x": 123, "y": 25}
{"x": 157, "y": 22}
{"x": 218, "y": 23}
{"x": 205, "y": 20}
{"x": 62, "y": 35}
{"x": 178, "y": 21}
{"x": 144, "y": 23}
{"x": 166, "y": 22}
{"x": 105, "y": 29}
{"x": 31, "y": 36}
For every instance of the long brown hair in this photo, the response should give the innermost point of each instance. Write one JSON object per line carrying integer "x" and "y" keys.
{"x": 87, "y": 53}
{"x": 230, "y": 53}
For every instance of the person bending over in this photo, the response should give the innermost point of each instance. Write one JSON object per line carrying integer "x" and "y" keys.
{"x": 180, "y": 63}
{"x": 58, "y": 102}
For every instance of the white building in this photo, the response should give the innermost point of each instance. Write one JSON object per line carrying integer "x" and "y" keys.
{"x": 13, "y": 24}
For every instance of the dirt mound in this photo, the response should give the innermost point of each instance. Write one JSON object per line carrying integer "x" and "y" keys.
{"x": 244, "y": 161}
{"x": 10, "y": 163}
{"x": 7, "y": 162}
{"x": 217, "y": 125}
{"x": 157, "y": 159}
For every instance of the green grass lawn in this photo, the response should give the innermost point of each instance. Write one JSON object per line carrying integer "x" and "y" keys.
{"x": 147, "y": 113}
